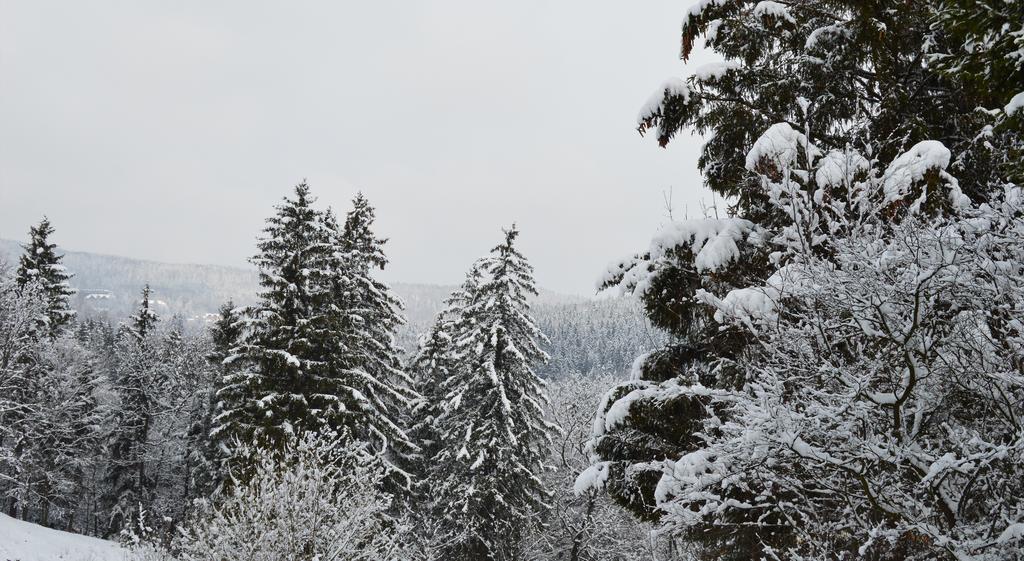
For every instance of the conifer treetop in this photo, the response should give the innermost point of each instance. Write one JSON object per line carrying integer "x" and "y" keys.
{"x": 358, "y": 241}
{"x": 490, "y": 415}
{"x": 144, "y": 319}
{"x": 41, "y": 266}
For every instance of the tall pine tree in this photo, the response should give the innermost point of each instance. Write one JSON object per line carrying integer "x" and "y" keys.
{"x": 130, "y": 485}
{"x": 377, "y": 393}
{"x": 492, "y": 425}
{"x": 430, "y": 367}
{"x": 284, "y": 382}
{"x": 41, "y": 266}
{"x": 207, "y": 456}
{"x": 318, "y": 348}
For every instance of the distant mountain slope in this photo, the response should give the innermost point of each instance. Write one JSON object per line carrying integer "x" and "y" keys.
{"x": 24, "y": 541}
{"x": 586, "y": 333}
{"x": 111, "y": 284}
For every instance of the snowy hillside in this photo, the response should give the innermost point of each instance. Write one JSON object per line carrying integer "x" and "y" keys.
{"x": 22, "y": 541}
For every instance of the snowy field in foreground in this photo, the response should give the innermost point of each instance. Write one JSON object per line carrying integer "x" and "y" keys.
{"x": 22, "y": 541}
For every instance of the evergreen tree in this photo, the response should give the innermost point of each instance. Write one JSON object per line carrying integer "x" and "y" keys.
{"x": 377, "y": 393}
{"x": 40, "y": 265}
{"x": 852, "y": 75}
{"x": 208, "y": 458}
{"x": 285, "y": 382}
{"x": 129, "y": 484}
{"x": 857, "y": 69}
{"x": 142, "y": 322}
{"x": 430, "y": 367}
{"x": 486, "y": 476}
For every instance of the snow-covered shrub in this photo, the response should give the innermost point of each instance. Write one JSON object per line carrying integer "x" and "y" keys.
{"x": 318, "y": 499}
{"x": 584, "y": 525}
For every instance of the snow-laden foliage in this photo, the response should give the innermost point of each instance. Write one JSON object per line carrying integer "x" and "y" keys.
{"x": 863, "y": 68}
{"x": 317, "y": 350}
{"x": 130, "y": 481}
{"x": 379, "y": 390}
{"x": 707, "y": 245}
{"x": 41, "y": 265}
{"x": 489, "y": 432}
{"x": 882, "y": 418}
{"x": 19, "y": 311}
{"x": 583, "y": 523}
{"x": 284, "y": 385}
{"x": 878, "y": 408}
{"x": 313, "y": 498}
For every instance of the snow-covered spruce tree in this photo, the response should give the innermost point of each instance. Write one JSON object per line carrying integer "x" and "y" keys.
{"x": 431, "y": 365}
{"x": 40, "y": 265}
{"x": 129, "y": 483}
{"x": 207, "y": 457}
{"x": 143, "y": 321}
{"x": 317, "y": 350}
{"x": 283, "y": 384}
{"x": 486, "y": 476}
{"x": 376, "y": 393}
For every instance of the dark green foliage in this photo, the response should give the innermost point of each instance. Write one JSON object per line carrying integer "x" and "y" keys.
{"x": 142, "y": 322}
{"x": 277, "y": 390}
{"x": 983, "y": 51}
{"x": 206, "y": 455}
{"x": 377, "y": 392}
{"x": 861, "y": 67}
{"x": 317, "y": 350}
{"x": 40, "y": 265}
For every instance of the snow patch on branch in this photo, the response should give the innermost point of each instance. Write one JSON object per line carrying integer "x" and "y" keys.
{"x": 781, "y": 145}
{"x": 928, "y": 156}
{"x": 697, "y": 9}
{"x": 594, "y": 478}
{"x": 712, "y": 242}
{"x": 838, "y": 166}
{"x": 655, "y": 105}
{"x": 1015, "y": 105}
{"x": 714, "y": 70}
{"x": 775, "y": 10}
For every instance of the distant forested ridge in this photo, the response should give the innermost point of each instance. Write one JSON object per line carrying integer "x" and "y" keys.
{"x": 587, "y": 335}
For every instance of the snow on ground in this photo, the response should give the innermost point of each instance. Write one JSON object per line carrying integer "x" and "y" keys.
{"x": 23, "y": 541}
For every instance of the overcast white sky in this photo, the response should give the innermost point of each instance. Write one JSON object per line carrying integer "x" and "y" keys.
{"x": 167, "y": 130}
